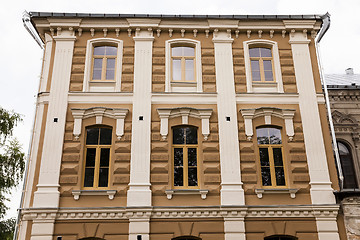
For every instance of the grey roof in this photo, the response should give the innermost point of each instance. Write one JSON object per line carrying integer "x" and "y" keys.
{"x": 111, "y": 15}
{"x": 342, "y": 80}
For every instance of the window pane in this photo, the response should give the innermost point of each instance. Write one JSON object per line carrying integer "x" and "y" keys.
{"x": 103, "y": 177}
{"x": 110, "y": 63}
{"x": 92, "y": 135}
{"x": 96, "y": 74}
{"x": 99, "y": 50}
{"x": 277, "y": 157}
{"x": 90, "y": 157}
{"x": 191, "y": 135}
{"x": 178, "y": 176}
{"x": 105, "y": 136}
{"x": 256, "y": 76}
{"x": 192, "y": 157}
{"x": 189, "y": 51}
{"x": 280, "y": 177}
{"x": 110, "y": 74}
{"x": 189, "y": 69}
{"x": 98, "y": 63}
{"x": 267, "y": 65}
{"x": 111, "y": 51}
{"x": 192, "y": 176}
{"x": 176, "y": 70}
{"x": 254, "y": 52}
{"x": 89, "y": 177}
{"x": 343, "y": 150}
{"x": 262, "y": 135}
{"x": 264, "y": 157}
{"x": 269, "y": 76}
{"x": 104, "y": 157}
{"x": 266, "y": 176}
{"x": 178, "y": 136}
{"x": 176, "y": 51}
{"x": 275, "y": 135}
{"x": 178, "y": 157}
{"x": 255, "y": 67}
{"x": 265, "y": 52}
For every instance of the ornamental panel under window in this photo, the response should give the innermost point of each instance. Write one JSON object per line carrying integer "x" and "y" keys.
{"x": 185, "y": 157}
{"x": 271, "y": 157}
{"x": 97, "y": 157}
{"x": 103, "y": 64}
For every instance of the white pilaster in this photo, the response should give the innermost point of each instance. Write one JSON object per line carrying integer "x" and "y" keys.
{"x": 234, "y": 228}
{"x": 139, "y": 193}
{"x": 139, "y": 227}
{"x": 327, "y": 229}
{"x": 46, "y": 63}
{"x": 321, "y": 191}
{"x": 231, "y": 185}
{"x": 47, "y": 194}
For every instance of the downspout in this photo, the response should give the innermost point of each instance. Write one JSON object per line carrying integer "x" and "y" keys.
{"x": 325, "y": 27}
{"x": 28, "y": 26}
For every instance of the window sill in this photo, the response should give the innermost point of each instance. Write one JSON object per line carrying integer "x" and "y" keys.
{"x": 109, "y": 193}
{"x": 265, "y": 87}
{"x": 291, "y": 191}
{"x": 171, "y": 192}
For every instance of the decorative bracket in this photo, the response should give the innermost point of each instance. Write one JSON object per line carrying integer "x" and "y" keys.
{"x": 77, "y": 193}
{"x": 171, "y": 192}
{"x": 184, "y": 113}
{"x": 291, "y": 191}
{"x": 99, "y": 112}
{"x": 268, "y": 113}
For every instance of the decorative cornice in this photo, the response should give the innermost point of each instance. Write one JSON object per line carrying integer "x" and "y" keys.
{"x": 119, "y": 213}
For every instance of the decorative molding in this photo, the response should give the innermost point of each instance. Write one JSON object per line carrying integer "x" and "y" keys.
{"x": 169, "y": 193}
{"x": 295, "y": 211}
{"x": 99, "y": 112}
{"x": 184, "y": 113}
{"x": 109, "y": 193}
{"x": 268, "y": 112}
{"x": 291, "y": 191}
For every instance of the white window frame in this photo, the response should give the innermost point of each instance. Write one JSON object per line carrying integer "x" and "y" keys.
{"x": 99, "y": 86}
{"x": 276, "y": 86}
{"x": 183, "y": 87}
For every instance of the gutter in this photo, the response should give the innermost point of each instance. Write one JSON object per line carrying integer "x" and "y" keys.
{"x": 30, "y": 28}
{"x": 325, "y": 27}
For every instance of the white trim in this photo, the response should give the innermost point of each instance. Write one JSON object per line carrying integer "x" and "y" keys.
{"x": 106, "y": 87}
{"x": 99, "y": 112}
{"x": 202, "y": 192}
{"x": 198, "y": 68}
{"x": 46, "y": 63}
{"x": 184, "y": 113}
{"x": 267, "y": 112}
{"x": 276, "y": 63}
{"x": 109, "y": 193}
{"x": 291, "y": 191}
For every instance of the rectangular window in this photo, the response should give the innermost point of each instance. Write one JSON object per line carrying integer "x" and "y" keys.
{"x": 271, "y": 157}
{"x": 261, "y": 64}
{"x": 183, "y": 64}
{"x": 185, "y": 157}
{"x": 97, "y": 157}
{"x": 104, "y": 62}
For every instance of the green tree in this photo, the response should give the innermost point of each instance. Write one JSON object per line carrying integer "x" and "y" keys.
{"x": 12, "y": 165}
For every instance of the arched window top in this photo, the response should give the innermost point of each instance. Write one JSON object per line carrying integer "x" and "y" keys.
{"x": 268, "y": 135}
{"x": 280, "y": 237}
{"x": 343, "y": 149}
{"x": 185, "y": 135}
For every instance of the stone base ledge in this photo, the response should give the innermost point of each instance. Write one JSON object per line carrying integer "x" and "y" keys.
{"x": 109, "y": 193}
{"x": 291, "y": 191}
{"x": 202, "y": 192}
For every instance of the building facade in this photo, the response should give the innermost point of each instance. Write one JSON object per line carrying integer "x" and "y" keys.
{"x": 344, "y": 96}
{"x": 179, "y": 127}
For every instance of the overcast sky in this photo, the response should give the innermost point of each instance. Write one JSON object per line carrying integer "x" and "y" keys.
{"x": 20, "y": 61}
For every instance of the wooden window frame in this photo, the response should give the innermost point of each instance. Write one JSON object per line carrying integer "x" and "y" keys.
{"x": 185, "y": 161}
{"x": 98, "y": 148}
{"x": 270, "y": 148}
{"x": 183, "y": 66}
{"x": 104, "y": 64}
{"x": 261, "y": 65}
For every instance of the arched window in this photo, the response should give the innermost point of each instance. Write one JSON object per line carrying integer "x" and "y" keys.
{"x": 103, "y": 63}
{"x": 97, "y": 157}
{"x": 271, "y": 156}
{"x": 262, "y": 69}
{"x": 280, "y": 237}
{"x": 185, "y": 157}
{"x": 347, "y": 166}
{"x": 183, "y": 64}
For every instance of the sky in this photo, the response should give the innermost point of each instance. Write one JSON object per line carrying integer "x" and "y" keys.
{"x": 21, "y": 57}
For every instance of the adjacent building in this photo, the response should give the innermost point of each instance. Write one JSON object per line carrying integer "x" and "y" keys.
{"x": 180, "y": 127}
{"x": 344, "y": 95}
